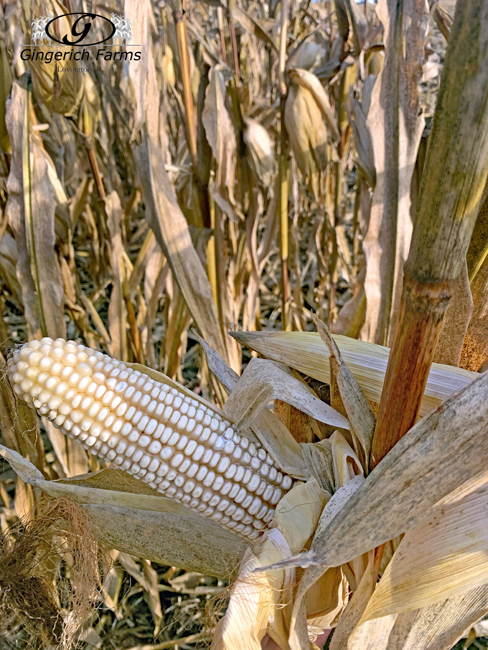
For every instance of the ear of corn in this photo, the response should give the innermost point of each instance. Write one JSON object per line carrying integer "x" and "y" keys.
{"x": 153, "y": 431}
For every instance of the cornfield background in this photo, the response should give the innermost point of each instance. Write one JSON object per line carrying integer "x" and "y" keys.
{"x": 250, "y": 170}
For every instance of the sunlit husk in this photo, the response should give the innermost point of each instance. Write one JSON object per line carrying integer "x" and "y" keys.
{"x": 305, "y": 352}
{"x": 253, "y": 609}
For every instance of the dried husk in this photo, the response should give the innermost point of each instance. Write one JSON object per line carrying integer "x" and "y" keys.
{"x": 308, "y": 80}
{"x": 348, "y": 478}
{"x": 440, "y": 460}
{"x": 439, "y": 626}
{"x": 361, "y": 417}
{"x": 304, "y": 351}
{"x": 260, "y": 150}
{"x": 355, "y": 608}
{"x": 307, "y": 133}
{"x": 253, "y": 608}
{"x": 128, "y": 515}
{"x": 264, "y": 381}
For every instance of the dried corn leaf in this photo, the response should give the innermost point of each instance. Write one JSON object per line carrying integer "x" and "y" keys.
{"x": 264, "y": 381}
{"x": 439, "y": 626}
{"x": 359, "y": 413}
{"x": 442, "y": 18}
{"x": 304, "y": 351}
{"x": 143, "y": 75}
{"x": 252, "y": 26}
{"x": 247, "y": 22}
{"x": 309, "y": 81}
{"x": 445, "y": 556}
{"x": 8, "y": 262}
{"x": 5, "y": 86}
{"x": 172, "y": 234}
{"x": 395, "y": 143}
{"x": 359, "y": 23}
{"x": 363, "y": 142}
{"x": 220, "y": 134}
{"x": 117, "y": 316}
{"x": 30, "y": 210}
{"x": 131, "y": 516}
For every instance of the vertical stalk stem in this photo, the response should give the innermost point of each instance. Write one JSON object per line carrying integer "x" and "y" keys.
{"x": 182, "y": 38}
{"x": 451, "y": 189}
{"x": 28, "y": 215}
{"x": 283, "y": 172}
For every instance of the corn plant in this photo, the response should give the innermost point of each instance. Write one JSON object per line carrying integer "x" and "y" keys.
{"x": 274, "y": 175}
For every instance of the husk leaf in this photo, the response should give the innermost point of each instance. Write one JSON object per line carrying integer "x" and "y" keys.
{"x": 130, "y": 516}
{"x": 304, "y": 351}
{"x": 443, "y": 557}
{"x": 253, "y": 610}
{"x": 358, "y": 410}
{"x": 442, "y": 458}
{"x": 439, "y": 626}
{"x": 263, "y": 381}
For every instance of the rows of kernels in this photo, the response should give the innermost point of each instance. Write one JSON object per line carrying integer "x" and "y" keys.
{"x": 178, "y": 446}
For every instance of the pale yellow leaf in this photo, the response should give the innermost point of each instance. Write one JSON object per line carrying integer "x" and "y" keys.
{"x": 305, "y": 352}
{"x": 439, "y": 626}
{"x": 441, "y": 558}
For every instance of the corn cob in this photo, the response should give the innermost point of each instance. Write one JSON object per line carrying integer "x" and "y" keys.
{"x": 174, "y": 443}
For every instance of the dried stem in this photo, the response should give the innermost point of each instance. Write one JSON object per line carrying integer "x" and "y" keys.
{"x": 283, "y": 172}
{"x": 452, "y": 185}
{"x": 179, "y": 17}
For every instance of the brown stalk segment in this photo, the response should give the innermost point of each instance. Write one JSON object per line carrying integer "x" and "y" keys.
{"x": 452, "y": 183}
